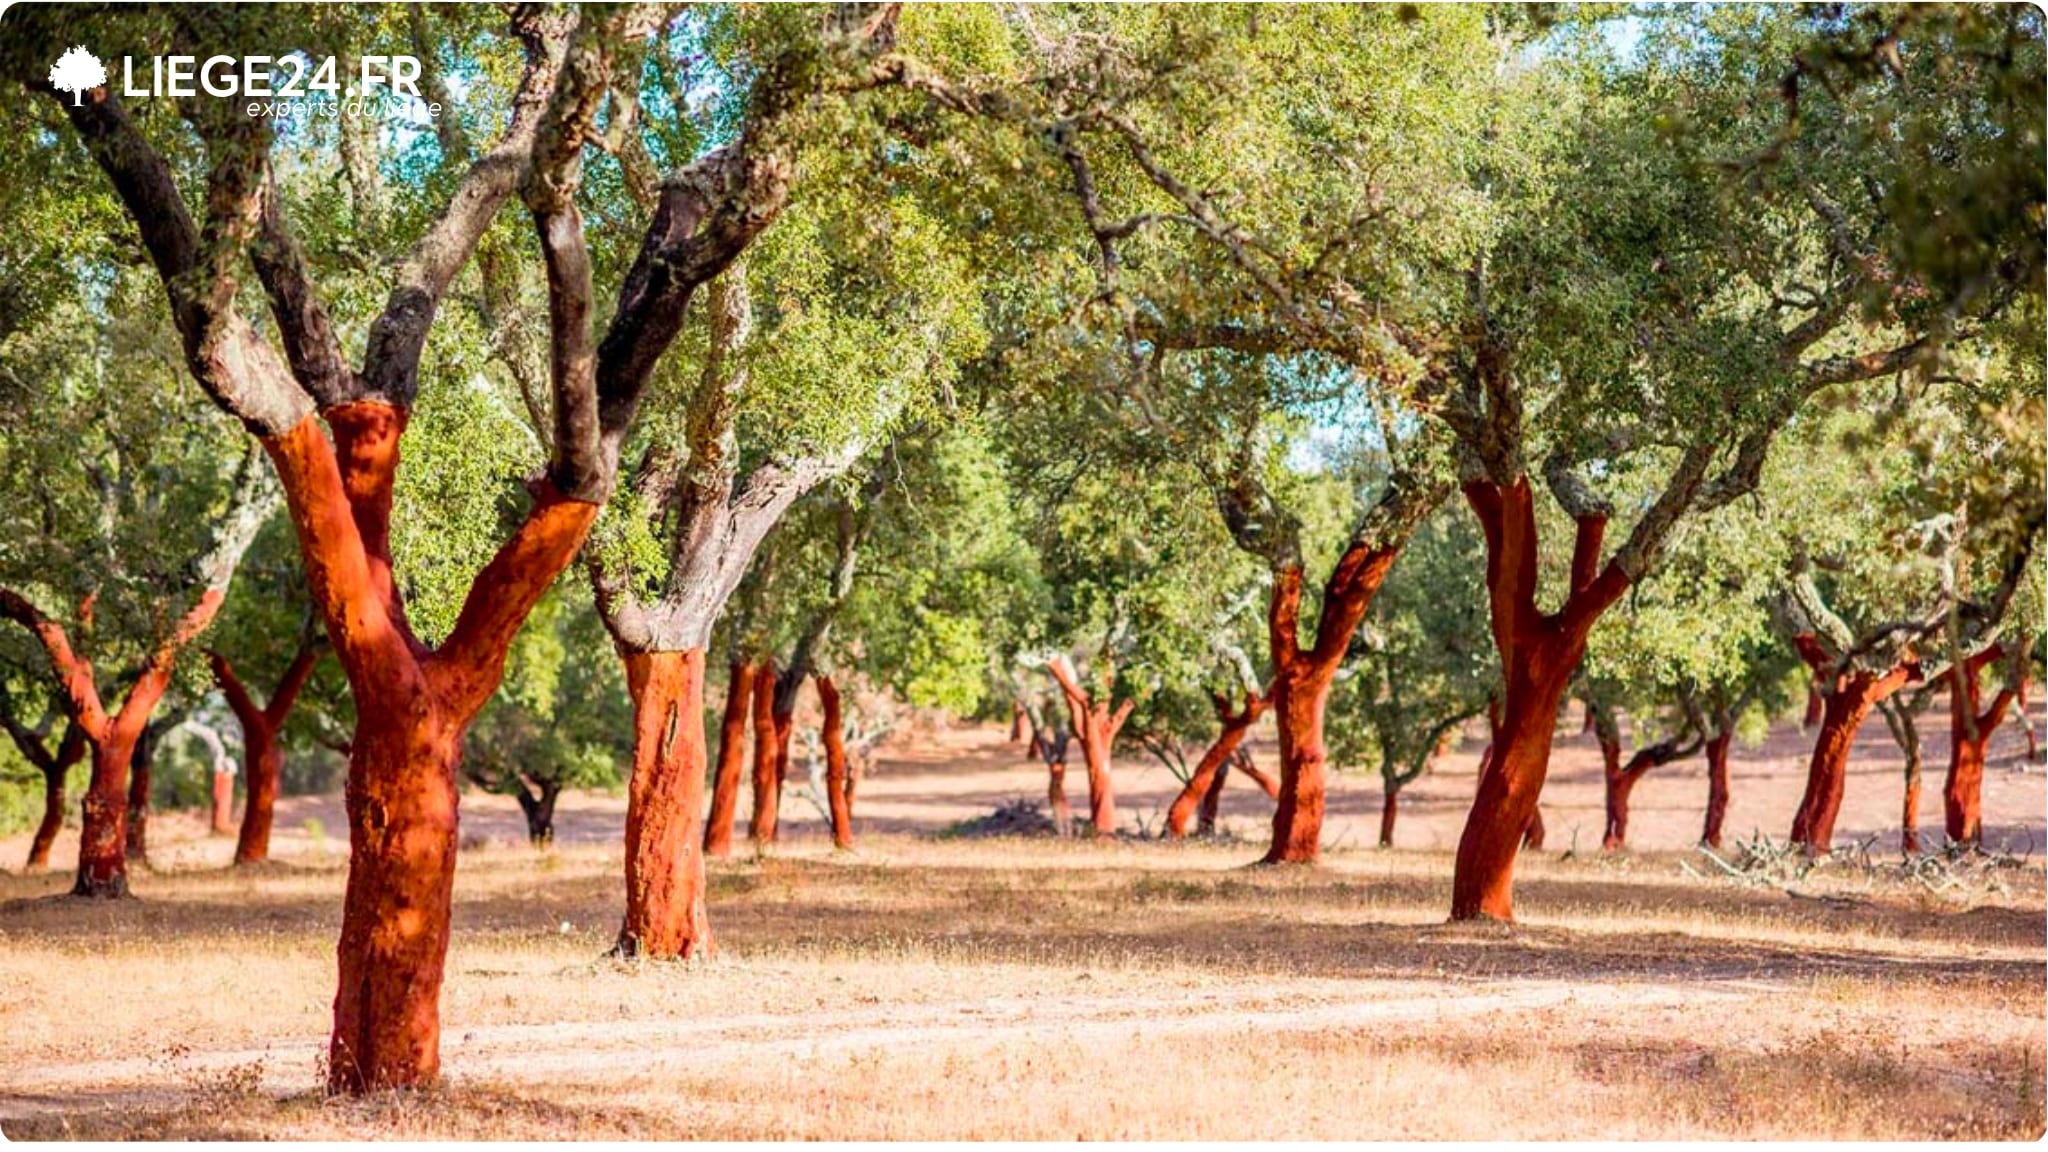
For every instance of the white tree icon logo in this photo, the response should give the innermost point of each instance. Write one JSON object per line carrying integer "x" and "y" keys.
{"x": 76, "y": 71}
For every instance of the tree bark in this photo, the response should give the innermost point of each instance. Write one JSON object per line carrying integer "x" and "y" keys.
{"x": 1390, "y": 808}
{"x": 1848, "y": 697}
{"x": 732, "y": 737}
{"x": 55, "y": 769}
{"x": 262, "y": 754}
{"x": 838, "y": 782}
{"x": 1300, "y": 689}
{"x": 768, "y": 748}
{"x": 1539, "y": 653}
{"x": 537, "y": 804}
{"x": 666, "y": 917}
{"x": 1212, "y": 802}
{"x": 1204, "y": 779}
{"x": 1816, "y": 708}
{"x": 1096, "y": 726}
{"x": 141, "y": 760}
{"x": 1242, "y": 762}
{"x": 1717, "y": 779}
{"x": 412, "y": 706}
{"x": 1970, "y": 730}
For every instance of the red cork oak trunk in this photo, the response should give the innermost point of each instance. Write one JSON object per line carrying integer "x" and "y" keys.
{"x": 103, "y": 836}
{"x": 1847, "y": 700}
{"x": 666, "y": 917}
{"x": 413, "y": 704}
{"x": 732, "y": 755}
{"x": 1214, "y": 762}
{"x": 1539, "y": 652}
{"x": 838, "y": 780}
{"x": 1096, "y": 726}
{"x": 1971, "y": 724}
{"x": 1717, "y": 780}
{"x": 262, "y": 756}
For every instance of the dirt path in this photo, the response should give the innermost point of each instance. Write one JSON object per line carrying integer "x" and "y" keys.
{"x": 594, "y": 1051}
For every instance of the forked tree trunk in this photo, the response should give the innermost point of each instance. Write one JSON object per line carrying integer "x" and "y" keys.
{"x": 666, "y": 917}
{"x": 1214, "y": 762}
{"x": 1539, "y": 653}
{"x": 1300, "y": 693}
{"x": 838, "y": 781}
{"x": 732, "y": 738}
{"x": 537, "y": 804}
{"x": 1096, "y": 727}
{"x": 1717, "y": 779}
{"x": 1970, "y": 730}
{"x": 262, "y": 754}
{"x": 1847, "y": 704}
{"x": 103, "y": 834}
{"x": 412, "y": 707}
{"x": 1621, "y": 783}
{"x": 761, "y": 827}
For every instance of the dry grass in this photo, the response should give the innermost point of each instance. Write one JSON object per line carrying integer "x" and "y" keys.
{"x": 933, "y": 989}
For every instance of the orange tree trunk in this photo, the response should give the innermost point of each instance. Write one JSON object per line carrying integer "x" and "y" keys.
{"x": 1203, "y": 780}
{"x": 53, "y": 818}
{"x": 732, "y": 736}
{"x": 262, "y": 755}
{"x": 1619, "y": 786}
{"x": 141, "y": 759}
{"x": 1390, "y": 808}
{"x": 838, "y": 784}
{"x": 1717, "y": 781}
{"x": 54, "y": 767}
{"x": 412, "y": 706}
{"x": 1962, "y": 793}
{"x": 262, "y": 765}
{"x": 103, "y": 833}
{"x": 223, "y": 803}
{"x": 665, "y": 907}
{"x": 1096, "y": 726}
{"x": 1816, "y": 707}
{"x": 1539, "y": 652}
{"x": 1845, "y": 708}
{"x": 1212, "y": 802}
{"x": 767, "y": 750}
{"x": 1300, "y": 690}
{"x": 1847, "y": 698}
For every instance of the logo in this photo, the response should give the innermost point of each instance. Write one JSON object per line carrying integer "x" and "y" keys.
{"x": 77, "y": 72}
{"x": 291, "y": 84}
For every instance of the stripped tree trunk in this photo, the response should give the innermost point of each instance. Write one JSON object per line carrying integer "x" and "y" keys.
{"x": 1539, "y": 653}
{"x": 768, "y": 751}
{"x": 1096, "y": 726}
{"x": 732, "y": 737}
{"x": 1971, "y": 724}
{"x": 262, "y": 756}
{"x": 838, "y": 778}
{"x": 54, "y": 765}
{"x": 666, "y": 917}
{"x": 1213, "y": 764}
{"x": 1717, "y": 778}
{"x": 1899, "y": 718}
{"x": 1848, "y": 697}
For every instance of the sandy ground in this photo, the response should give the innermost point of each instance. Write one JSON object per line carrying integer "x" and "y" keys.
{"x": 925, "y": 987}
